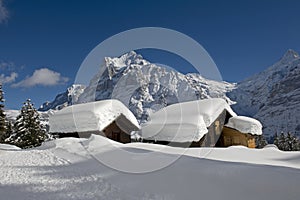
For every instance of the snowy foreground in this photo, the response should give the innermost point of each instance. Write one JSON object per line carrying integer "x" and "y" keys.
{"x": 68, "y": 169}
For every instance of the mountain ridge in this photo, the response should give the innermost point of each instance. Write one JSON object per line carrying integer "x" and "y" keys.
{"x": 272, "y": 95}
{"x": 146, "y": 87}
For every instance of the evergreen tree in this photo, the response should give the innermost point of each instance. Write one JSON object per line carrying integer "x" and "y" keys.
{"x": 261, "y": 141}
{"x": 293, "y": 142}
{"x": 28, "y": 129}
{"x": 282, "y": 142}
{"x": 276, "y": 140}
{"x": 9, "y": 129}
{"x": 2, "y": 117}
{"x": 289, "y": 142}
{"x": 296, "y": 143}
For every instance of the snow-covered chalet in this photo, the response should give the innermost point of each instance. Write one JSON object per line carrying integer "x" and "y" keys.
{"x": 201, "y": 123}
{"x": 109, "y": 118}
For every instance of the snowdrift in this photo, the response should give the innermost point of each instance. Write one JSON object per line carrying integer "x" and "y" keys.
{"x": 67, "y": 169}
{"x": 9, "y": 147}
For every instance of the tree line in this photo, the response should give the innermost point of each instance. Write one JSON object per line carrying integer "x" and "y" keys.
{"x": 287, "y": 142}
{"x": 284, "y": 141}
{"x": 27, "y": 130}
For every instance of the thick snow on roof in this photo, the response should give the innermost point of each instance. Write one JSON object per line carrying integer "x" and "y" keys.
{"x": 245, "y": 125}
{"x": 92, "y": 116}
{"x": 184, "y": 122}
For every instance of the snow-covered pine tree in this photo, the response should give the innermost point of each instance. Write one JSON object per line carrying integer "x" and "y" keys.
{"x": 295, "y": 143}
{"x": 276, "y": 140}
{"x": 282, "y": 142}
{"x": 289, "y": 142}
{"x": 28, "y": 129}
{"x": 292, "y": 142}
{"x": 2, "y": 117}
{"x": 261, "y": 141}
{"x": 9, "y": 129}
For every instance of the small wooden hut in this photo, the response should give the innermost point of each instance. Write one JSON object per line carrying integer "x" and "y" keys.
{"x": 240, "y": 130}
{"x": 109, "y": 118}
{"x": 202, "y": 123}
{"x": 231, "y": 137}
{"x": 194, "y": 124}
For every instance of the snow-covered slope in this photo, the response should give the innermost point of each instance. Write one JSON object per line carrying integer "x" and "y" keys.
{"x": 12, "y": 114}
{"x": 272, "y": 96}
{"x": 65, "y": 169}
{"x": 9, "y": 147}
{"x": 64, "y": 99}
{"x": 145, "y": 87}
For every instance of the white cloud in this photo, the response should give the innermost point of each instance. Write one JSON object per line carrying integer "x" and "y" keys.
{"x": 8, "y": 79}
{"x": 4, "y": 14}
{"x": 44, "y": 77}
{"x": 9, "y": 66}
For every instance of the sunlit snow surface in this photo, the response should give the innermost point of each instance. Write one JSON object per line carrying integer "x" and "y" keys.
{"x": 91, "y": 116}
{"x": 184, "y": 122}
{"x": 64, "y": 169}
{"x": 245, "y": 125}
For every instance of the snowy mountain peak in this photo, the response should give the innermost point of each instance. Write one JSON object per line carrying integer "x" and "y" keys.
{"x": 289, "y": 56}
{"x": 145, "y": 87}
{"x": 64, "y": 99}
{"x": 116, "y": 64}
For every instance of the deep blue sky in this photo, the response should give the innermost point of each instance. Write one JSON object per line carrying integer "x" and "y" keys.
{"x": 243, "y": 37}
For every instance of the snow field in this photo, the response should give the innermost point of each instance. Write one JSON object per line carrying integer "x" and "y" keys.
{"x": 64, "y": 169}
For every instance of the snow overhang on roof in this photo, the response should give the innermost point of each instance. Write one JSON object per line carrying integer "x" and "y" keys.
{"x": 94, "y": 116}
{"x": 184, "y": 122}
{"x": 245, "y": 125}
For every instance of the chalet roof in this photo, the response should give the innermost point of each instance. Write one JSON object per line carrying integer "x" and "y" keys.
{"x": 94, "y": 116}
{"x": 184, "y": 122}
{"x": 245, "y": 125}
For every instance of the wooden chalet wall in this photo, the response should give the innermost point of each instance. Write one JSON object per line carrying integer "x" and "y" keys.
{"x": 209, "y": 140}
{"x": 232, "y": 137}
{"x": 112, "y": 132}
{"x": 214, "y": 131}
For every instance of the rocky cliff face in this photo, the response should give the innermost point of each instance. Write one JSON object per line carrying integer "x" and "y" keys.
{"x": 145, "y": 87}
{"x": 272, "y": 96}
{"x": 64, "y": 99}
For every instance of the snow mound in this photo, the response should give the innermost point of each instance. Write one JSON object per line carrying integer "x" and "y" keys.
{"x": 93, "y": 143}
{"x": 92, "y": 116}
{"x": 8, "y": 147}
{"x": 184, "y": 122}
{"x": 271, "y": 146}
{"x": 215, "y": 173}
{"x": 245, "y": 125}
